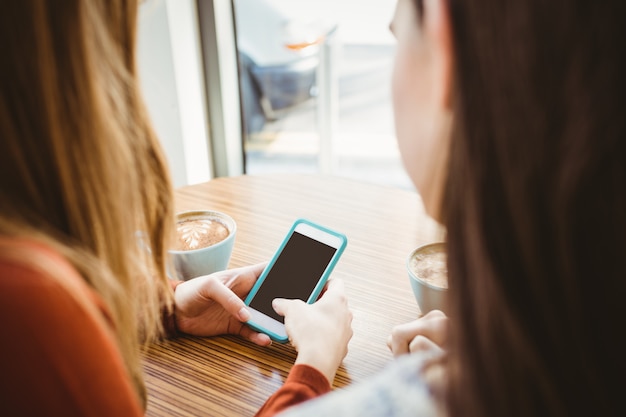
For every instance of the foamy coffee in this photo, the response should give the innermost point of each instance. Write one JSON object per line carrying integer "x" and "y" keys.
{"x": 430, "y": 266}
{"x": 197, "y": 233}
{"x": 203, "y": 243}
{"x": 428, "y": 274}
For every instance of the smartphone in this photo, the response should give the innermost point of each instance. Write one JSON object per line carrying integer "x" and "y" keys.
{"x": 299, "y": 269}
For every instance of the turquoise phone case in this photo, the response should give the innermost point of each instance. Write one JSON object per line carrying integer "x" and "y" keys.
{"x": 320, "y": 284}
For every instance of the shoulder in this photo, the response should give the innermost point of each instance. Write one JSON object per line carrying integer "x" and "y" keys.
{"x": 399, "y": 390}
{"x": 45, "y": 302}
{"x": 34, "y": 277}
{"x": 58, "y": 352}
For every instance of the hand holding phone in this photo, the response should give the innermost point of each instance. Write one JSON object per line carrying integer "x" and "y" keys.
{"x": 298, "y": 270}
{"x": 320, "y": 332}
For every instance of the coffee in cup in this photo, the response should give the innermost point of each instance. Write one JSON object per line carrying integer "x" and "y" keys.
{"x": 203, "y": 244}
{"x": 199, "y": 232}
{"x": 428, "y": 273}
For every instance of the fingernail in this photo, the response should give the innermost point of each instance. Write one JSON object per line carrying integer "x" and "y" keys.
{"x": 244, "y": 314}
{"x": 265, "y": 339}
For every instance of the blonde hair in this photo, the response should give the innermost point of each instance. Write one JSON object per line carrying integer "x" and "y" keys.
{"x": 80, "y": 166}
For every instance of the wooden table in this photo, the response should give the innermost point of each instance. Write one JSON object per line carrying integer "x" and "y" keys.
{"x": 228, "y": 376}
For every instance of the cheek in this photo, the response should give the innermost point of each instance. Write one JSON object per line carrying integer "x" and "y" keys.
{"x": 409, "y": 111}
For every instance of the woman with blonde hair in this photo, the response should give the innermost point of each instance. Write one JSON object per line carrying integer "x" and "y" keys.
{"x": 82, "y": 180}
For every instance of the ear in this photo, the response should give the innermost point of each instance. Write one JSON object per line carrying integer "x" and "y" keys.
{"x": 437, "y": 28}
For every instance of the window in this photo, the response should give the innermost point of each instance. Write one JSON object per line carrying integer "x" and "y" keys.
{"x": 316, "y": 91}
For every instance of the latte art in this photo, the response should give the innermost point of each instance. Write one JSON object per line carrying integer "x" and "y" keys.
{"x": 199, "y": 233}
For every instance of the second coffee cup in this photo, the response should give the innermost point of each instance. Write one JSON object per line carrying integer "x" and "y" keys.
{"x": 428, "y": 274}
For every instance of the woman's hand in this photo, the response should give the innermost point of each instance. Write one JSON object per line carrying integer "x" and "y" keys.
{"x": 212, "y": 305}
{"x": 320, "y": 332}
{"x": 426, "y": 333}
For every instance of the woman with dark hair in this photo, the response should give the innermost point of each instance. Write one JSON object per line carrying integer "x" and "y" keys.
{"x": 510, "y": 121}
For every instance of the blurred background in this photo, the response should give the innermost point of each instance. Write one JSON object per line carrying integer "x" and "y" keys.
{"x": 272, "y": 86}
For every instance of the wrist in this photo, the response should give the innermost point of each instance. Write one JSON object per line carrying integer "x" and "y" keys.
{"x": 320, "y": 361}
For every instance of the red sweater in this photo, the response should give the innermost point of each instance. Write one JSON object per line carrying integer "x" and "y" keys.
{"x": 58, "y": 353}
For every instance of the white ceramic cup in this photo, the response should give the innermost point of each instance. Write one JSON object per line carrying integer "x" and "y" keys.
{"x": 194, "y": 229}
{"x": 427, "y": 271}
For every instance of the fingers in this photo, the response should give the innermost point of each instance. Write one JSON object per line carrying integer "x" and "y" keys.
{"x": 282, "y": 305}
{"x": 431, "y": 328}
{"x": 334, "y": 291}
{"x": 325, "y": 288}
{"x": 335, "y": 285}
{"x": 257, "y": 338}
{"x": 216, "y": 290}
{"x": 212, "y": 304}
{"x": 241, "y": 280}
{"x": 422, "y": 343}
{"x": 242, "y": 329}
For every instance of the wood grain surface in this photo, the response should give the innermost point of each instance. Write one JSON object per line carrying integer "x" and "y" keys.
{"x": 227, "y": 376}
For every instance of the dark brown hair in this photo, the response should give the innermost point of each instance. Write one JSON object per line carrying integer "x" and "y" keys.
{"x": 535, "y": 209}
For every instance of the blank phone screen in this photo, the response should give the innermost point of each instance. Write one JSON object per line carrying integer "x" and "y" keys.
{"x": 295, "y": 273}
